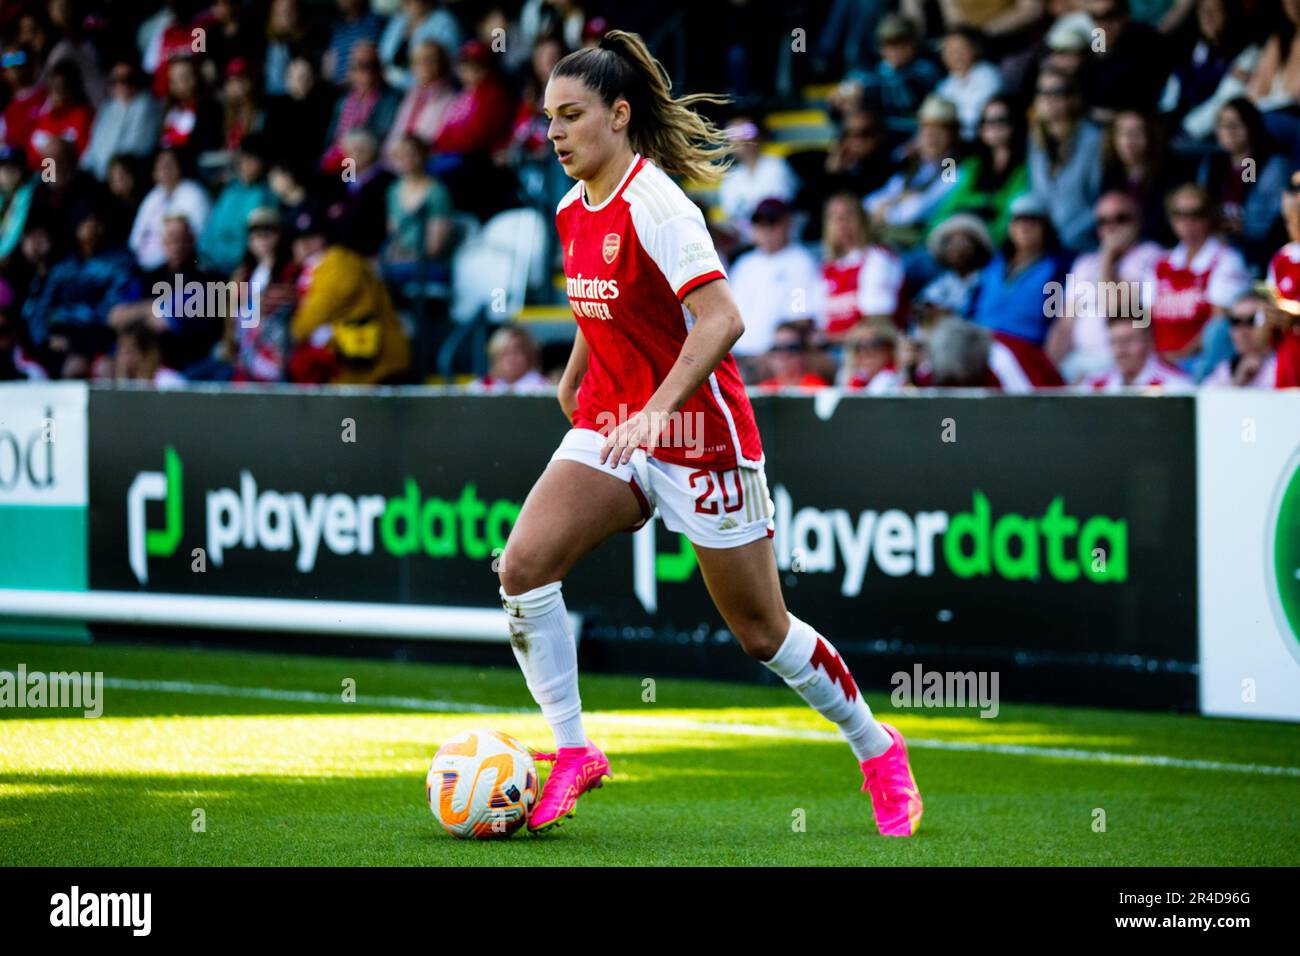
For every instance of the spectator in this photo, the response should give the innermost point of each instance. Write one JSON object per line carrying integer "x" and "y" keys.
{"x": 964, "y": 355}
{"x": 426, "y": 102}
{"x": 1014, "y": 287}
{"x": 1135, "y": 362}
{"x": 962, "y": 247}
{"x": 479, "y": 118}
{"x": 288, "y": 36}
{"x": 125, "y": 181}
{"x": 776, "y": 280}
{"x": 528, "y": 138}
{"x": 26, "y": 95}
{"x": 298, "y": 121}
{"x": 139, "y": 358}
{"x": 1194, "y": 282}
{"x": 1274, "y": 84}
{"x": 903, "y": 206}
{"x": 127, "y": 123}
{"x": 859, "y": 162}
{"x": 229, "y": 38}
{"x": 62, "y": 191}
{"x": 420, "y": 21}
{"x": 1064, "y": 158}
{"x": 68, "y": 19}
{"x": 1283, "y": 310}
{"x": 788, "y": 360}
{"x": 172, "y": 195}
{"x": 419, "y": 221}
{"x": 899, "y": 82}
{"x": 1254, "y": 361}
{"x": 1245, "y": 177}
{"x": 369, "y": 105}
{"x": 14, "y": 363}
{"x": 83, "y": 288}
{"x": 177, "y": 299}
{"x": 994, "y": 174}
{"x": 17, "y": 190}
{"x": 26, "y": 273}
{"x": 869, "y": 358}
{"x": 255, "y": 346}
{"x": 514, "y": 363}
{"x": 65, "y": 115}
{"x": 361, "y": 215}
{"x": 753, "y": 177}
{"x": 1220, "y": 39}
{"x": 192, "y": 122}
{"x": 1105, "y": 280}
{"x": 1135, "y": 162}
{"x": 241, "y": 115}
{"x": 175, "y": 40}
{"x": 1128, "y": 70}
{"x": 358, "y": 26}
{"x": 971, "y": 81}
{"x": 860, "y": 278}
{"x": 344, "y": 329}
{"x": 224, "y": 237}
{"x": 289, "y": 185}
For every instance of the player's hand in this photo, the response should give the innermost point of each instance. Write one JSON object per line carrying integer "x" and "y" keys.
{"x": 627, "y": 437}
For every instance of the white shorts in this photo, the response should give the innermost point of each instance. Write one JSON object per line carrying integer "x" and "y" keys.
{"x": 714, "y": 509}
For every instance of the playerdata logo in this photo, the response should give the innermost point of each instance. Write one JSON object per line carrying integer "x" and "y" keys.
{"x": 251, "y": 518}
{"x": 978, "y": 543}
{"x": 1283, "y": 547}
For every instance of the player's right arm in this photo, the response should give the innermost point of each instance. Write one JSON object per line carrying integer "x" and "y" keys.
{"x": 567, "y": 391}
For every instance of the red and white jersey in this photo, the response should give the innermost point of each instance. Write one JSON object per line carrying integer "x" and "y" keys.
{"x": 1156, "y": 373}
{"x": 864, "y": 282}
{"x": 1021, "y": 366}
{"x": 628, "y": 263}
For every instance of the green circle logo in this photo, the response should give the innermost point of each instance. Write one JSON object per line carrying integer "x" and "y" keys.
{"x": 1284, "y": 554}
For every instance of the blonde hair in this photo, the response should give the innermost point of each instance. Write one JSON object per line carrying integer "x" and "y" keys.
{"x": 664, "y": 129}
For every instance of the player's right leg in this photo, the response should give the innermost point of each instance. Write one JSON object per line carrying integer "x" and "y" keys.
{"x": 571, "y": 510}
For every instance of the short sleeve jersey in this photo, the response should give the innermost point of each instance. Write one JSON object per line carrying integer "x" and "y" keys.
{"x": 628, "y": 263}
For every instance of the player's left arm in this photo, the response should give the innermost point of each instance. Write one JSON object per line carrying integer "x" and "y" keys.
{"x": 716, "y": 328}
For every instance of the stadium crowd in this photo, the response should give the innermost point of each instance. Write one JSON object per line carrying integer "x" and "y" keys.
{"x": 1011, "y": 194}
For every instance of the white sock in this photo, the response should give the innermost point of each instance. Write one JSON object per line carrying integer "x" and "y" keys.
{"x": 544, "y": 648}
{"x": 814, "y": 670}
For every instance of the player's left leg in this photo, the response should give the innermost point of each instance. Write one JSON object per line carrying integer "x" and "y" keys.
{"x": 746, "y": 588}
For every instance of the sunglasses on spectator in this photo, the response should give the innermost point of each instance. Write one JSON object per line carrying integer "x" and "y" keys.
{"x": 1237, "y": 321}
{"x": 863, "y": 345}
{"x": 999, "y": 119}
{"x": 1196, "y": 213}
{"x": 1118, "y": 219}
{"x": 790, "y": 348}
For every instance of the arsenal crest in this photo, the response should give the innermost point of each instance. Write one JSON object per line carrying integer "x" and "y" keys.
{"x": 610, "y": 247}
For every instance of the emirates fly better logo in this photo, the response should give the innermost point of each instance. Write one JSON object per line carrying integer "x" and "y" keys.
{"x": 1283, "y": 554}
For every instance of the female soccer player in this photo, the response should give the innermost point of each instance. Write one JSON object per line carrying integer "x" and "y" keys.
{"x": 660, "y": 420}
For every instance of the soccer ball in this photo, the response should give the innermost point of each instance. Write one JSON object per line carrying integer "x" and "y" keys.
{"x": 482, "y": 784}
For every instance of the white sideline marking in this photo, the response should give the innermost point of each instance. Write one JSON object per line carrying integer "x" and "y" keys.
{"x": 681, "y": 723}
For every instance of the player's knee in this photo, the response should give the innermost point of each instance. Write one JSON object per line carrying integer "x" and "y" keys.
{"x": 761, "y": 638}
{"x": 521, "y": 570}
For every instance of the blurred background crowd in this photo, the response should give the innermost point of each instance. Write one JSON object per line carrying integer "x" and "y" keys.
{"x": 1012, "y": 194}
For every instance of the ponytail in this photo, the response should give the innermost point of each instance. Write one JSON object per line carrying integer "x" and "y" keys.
{"x": 668, "y": 131}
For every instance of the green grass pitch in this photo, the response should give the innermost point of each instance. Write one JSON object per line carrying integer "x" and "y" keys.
{"x": 287, "y": 773}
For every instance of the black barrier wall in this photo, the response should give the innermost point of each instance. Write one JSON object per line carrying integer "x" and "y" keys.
{"x": 1050, "y": 539}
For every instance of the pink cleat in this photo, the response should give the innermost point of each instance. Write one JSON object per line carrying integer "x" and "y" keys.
{"x": 894, "y": 795}
{"x": 574, "y": 771}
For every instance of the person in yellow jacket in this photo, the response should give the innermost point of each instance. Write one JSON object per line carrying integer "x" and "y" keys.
{"x": 345, "y": 308}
